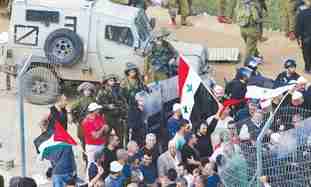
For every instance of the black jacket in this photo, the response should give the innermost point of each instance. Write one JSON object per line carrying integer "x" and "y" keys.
{"x": 303, "y": 26}
{"x": 55, "y": 115}
{"x": 204, "y": 145}
{"x": 282, "y": 79}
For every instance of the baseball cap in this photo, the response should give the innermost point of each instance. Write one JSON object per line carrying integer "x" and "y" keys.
{"x": 115, "y": 167}
{"x": 93, "y": 106}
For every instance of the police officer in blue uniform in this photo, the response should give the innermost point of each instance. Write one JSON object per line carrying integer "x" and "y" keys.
{"x": 288, "y": 75}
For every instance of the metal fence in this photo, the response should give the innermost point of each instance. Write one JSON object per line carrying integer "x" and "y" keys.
{"x": 282, "y": 153}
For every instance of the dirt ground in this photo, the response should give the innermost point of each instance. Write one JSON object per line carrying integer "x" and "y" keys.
{"x": 206, "y": 31}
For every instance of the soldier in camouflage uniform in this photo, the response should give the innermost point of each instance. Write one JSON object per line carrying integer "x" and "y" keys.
{"x": 222, "y": 4}
{"x": 250, "y": 21}
{"x": 79, "y": 107}
{"x": 181, "y": 6}
{"x": 113, "y": 102}
{"x": 263, "y": 9}
{"x": 131, "y": 85}
{"x": 159, "y": 63}
{"x": 289, "y": 18}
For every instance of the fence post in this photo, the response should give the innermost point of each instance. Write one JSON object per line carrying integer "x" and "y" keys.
{"x": 20, "y": 106}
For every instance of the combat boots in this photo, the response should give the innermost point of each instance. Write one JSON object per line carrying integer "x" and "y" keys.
{"x": 184, "y": 22}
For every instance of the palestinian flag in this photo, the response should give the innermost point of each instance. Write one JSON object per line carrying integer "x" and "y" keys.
{"x": 197, "y": 102}
{"x": 49, "y": 143}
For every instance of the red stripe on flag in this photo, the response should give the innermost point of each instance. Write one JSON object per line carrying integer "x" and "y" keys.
{"x": 231, "y": 102}
{"x": 62, "y": 135}
{"x": 183, "y": 71}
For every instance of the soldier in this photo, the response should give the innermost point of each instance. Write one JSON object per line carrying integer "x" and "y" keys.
{"x": 79, "y": 107}
{"x": 289, "y": 17}
{"x": 236, "y": 89}
{"x": 303, "y": 32}
{"x": 263, "y": 9}
{"x": 114, "y": 104}
{"x": 131, "y": 85}
{"x": 289, "y": 75}
{"x": 159, "y": 64}
{"x": 183, "y": 6}
{"x": 222, "y": 4}
{"x": 249, "y": 20}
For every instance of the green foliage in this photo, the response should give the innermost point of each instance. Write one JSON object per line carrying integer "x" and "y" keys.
{"x": 272, "y": 19}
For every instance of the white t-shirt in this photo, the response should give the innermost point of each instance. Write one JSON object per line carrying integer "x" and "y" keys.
{"x": 222, "y": 126}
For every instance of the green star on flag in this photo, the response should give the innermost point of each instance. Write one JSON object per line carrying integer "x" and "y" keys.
{"x": 185, "y": 109}
{"x": 189, "y": 88}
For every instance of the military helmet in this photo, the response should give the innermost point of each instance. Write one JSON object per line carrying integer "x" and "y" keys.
{"x": 244, "y": 72}
{"x": 86, "y": 86}
{"x": 289, "y": 63}
{"x": 252, "y": 62}
{"x": 108, "y": 77}
{"x": 130, "y": 66}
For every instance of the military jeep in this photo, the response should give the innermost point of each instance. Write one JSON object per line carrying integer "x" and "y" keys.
{"x": 81, "y": 40}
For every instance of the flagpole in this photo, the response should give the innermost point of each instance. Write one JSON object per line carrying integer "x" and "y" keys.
{"x": 20, "y": 105}
{"x": 260, "y": 137}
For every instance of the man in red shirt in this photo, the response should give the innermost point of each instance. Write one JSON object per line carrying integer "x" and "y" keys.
{"x": 95, "y": 131}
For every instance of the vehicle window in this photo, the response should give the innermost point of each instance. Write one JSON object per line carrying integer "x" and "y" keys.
{"x": 119, "y": 34}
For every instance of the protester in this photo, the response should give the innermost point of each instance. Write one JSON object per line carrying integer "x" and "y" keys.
{"x": 169, "y": 159}
{"x": 149, "y": 171}
{"x": 136, "y": 123}
{"x": 58, "y": 112}
{"x": 132, "y": 148}
{"x": 110, "y": 152}
{"x": 115, "y": 178}
{"x": 95, "y": 130}
{"x": 174, "y": 121}
{"x": 222, "y": 124}
{"x": 95, "y": 169}
{"x": 63, "y": 166}
{"x": 123, "y": 159}
{"x": 189, "y": 154}
{"x": 213, "y": 180}
{"x": 23, "y": 182}
{"x": 136, "y": 173}
{"x": 151, "y": 147}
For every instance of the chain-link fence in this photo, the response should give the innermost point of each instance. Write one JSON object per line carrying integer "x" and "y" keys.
{"x": 282, "y": 154}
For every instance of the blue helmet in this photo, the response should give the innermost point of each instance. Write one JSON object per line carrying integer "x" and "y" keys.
{"x": 252, "y": 62}
{"x": 244, "y": 72}
{"x": 289, "y": 63}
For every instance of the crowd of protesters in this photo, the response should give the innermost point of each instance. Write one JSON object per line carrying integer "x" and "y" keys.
{"x": 194, "y": 156}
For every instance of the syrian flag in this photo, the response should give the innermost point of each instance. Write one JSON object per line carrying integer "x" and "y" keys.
{"x": 49, "y": 143}
{"x": 197, "y": 102}
{"x": 256, "y": 92}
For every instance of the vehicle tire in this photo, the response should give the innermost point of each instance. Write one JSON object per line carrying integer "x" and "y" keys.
{"x": 63, "y": 46}
{"x": 41, "y": 86}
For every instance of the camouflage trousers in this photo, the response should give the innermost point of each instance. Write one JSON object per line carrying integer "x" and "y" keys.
{"x": 178, "y": 6}
{"x": 288, "y": 15}
{"x": 251, "y": 36}
{"x": 224, "y": 4}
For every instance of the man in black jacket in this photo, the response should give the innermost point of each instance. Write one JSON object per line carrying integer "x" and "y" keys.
{"x": 303, "y": 33}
